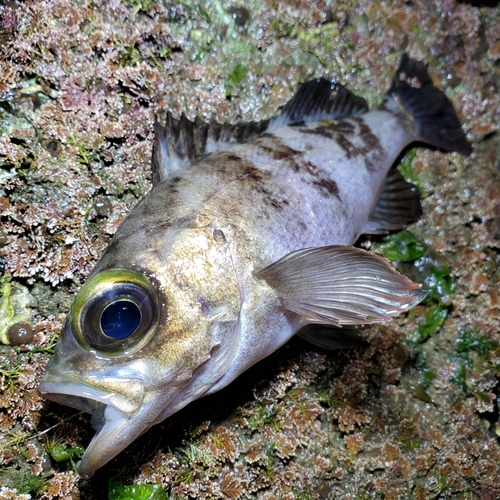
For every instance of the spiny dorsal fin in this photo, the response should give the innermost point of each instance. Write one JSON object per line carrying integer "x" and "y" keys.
{"x": 397, "y": 206}
{"x": 180, "y": 142}
{"x": 340, "y": 286}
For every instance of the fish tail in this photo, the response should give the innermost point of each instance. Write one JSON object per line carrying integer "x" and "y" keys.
{"x": 434, "y": 119}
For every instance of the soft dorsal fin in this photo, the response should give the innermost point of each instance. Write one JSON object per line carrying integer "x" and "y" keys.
{"x": 180, "y": 142}
{"x": 319, "y": 99}
{"x": 397, "y": 206}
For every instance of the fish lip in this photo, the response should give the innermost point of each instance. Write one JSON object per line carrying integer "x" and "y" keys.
{"x": 85, "y": 398}
{"x": 119, "y": 429}
{"x": 103, "y": 446}
{"x": 115, "y": 427}
{"x": 72, "y": 395}
{"x": 81, "y": 395}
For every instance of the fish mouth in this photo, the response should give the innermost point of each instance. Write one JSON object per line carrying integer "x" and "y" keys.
{"x": 118, "y": 421}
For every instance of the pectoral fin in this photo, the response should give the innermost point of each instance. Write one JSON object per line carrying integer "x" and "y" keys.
{"x": 341, "y": 286}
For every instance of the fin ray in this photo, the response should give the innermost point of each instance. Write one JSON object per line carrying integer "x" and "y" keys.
{"x": 180, "y": 142}
{"x": 319, "y": 99}
{"x": 341, "y": 286}
{"x": 397, "y": 206}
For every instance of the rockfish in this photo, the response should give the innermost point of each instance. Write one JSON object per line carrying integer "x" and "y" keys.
{"x": 245, "y": 239}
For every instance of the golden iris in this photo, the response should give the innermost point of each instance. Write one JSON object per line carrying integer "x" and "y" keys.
{"x": 116, "y": 312}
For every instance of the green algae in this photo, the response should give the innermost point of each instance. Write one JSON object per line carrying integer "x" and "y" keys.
{"x": 474, "y": 353}
{"x": 402, "y": 246}
{"x": 235, "y": 78}
{"x": 407, "y": 170}
{"x": 238, "y": 73}
{"x": 473, "y": 342}
{"x": 428, "y": 324}
{"x": 119, "y": 491}
{"x": 438, "y": 281}
{"x": 61, "y": 452}
{"x": 440, "y": 285}
{"x": 24, "y": 482}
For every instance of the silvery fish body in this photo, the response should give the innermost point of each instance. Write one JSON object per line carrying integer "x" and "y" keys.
{"x": 244, "y": 239}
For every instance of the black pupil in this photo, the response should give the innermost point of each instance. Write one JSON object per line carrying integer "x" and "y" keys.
{"x": 120, "y": 319}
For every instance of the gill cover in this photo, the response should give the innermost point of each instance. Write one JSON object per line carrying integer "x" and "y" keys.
{"x": 116, "y": 312}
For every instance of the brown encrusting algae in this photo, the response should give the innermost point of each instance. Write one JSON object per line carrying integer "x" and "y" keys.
{"x": 245, "y": 240}
{"x": 414, "y": 412}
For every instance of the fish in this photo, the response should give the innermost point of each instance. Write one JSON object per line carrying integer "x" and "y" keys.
{"x": 246, "y": 239}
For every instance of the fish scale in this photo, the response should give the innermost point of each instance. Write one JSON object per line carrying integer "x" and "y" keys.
{"x": 245, "y": 240}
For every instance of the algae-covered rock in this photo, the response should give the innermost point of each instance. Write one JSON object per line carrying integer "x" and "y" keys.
{"x": 415, "y": 413}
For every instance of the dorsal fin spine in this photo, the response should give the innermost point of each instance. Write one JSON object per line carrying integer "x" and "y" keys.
{"x": 182, "y": 141}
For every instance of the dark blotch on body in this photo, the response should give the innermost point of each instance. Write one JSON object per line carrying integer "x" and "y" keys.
{"x": 270, "y": 200}
{"x": 323, "y": 130}
{"x": 311, "y": 168}
{"x": 327, "y": 187}
{"x": 344, "y": 131}
{"x": 371, "y": 141}
{"x": 256, "y": 179}
{"x": 331, "y": 129}
{"x": 253, "y": 173}
{"x": 279, "y": 151}
{"x": 172, "y": 185}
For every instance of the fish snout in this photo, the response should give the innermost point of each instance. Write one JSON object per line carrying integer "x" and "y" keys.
{"x": 125, "y": 394}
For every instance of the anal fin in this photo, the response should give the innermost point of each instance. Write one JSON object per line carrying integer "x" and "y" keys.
{"x": 397, "y": 206}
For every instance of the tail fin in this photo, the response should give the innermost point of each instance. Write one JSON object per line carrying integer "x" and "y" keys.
{"x": 435, "y": 120}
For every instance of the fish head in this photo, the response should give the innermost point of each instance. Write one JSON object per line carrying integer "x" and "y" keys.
{"x": 149, "y": 332}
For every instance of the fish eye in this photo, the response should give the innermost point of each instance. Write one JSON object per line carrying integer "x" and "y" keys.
{"x": 120, "y": 319}
{"x": 115, "y": 312}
